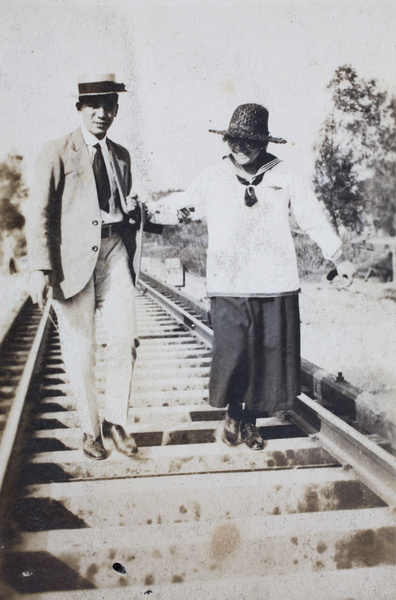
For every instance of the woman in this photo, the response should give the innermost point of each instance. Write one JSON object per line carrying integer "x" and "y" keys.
{"x": 252, "y": 276}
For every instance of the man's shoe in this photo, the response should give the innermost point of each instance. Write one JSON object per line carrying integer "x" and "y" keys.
{"x": 93, "y": 448}
{"x": 230, "y": 433}
{"x": 122, "y": 441}
{"x": 251, "y": 436}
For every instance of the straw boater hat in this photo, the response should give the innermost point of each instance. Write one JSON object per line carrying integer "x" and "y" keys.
{"x": 249, "y": 123}
{"x": 99, "y": 85}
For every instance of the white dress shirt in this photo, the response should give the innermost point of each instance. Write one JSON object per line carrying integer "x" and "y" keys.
{"x": 115, "y": 214}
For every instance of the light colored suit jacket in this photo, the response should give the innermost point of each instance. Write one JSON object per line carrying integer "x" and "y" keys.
{"x": 64, "y": 227}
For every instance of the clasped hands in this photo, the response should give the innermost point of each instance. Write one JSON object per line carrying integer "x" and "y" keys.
{"x": 134, "y": 208}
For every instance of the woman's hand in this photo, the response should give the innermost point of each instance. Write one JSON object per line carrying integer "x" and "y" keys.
{"x": 346, "y": 270}
{"x": 183, "y": 214}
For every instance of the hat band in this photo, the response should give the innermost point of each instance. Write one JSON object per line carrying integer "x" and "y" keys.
{"x": 100, "y": 87}
{"x": 243, "y": 136}
{"x": 241, "y": 132}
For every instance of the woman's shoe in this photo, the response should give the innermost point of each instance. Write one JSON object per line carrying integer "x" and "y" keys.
{"x": 230, "y": 433}
{"x": 251, "y": 436}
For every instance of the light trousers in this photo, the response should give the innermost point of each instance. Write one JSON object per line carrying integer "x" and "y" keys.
{"x": 110, "y": 295}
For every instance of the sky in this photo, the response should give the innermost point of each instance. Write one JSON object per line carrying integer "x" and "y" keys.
{"x": 187, "y": 65}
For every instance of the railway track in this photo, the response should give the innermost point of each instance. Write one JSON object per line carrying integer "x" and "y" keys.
{"x": 311, "y": 516}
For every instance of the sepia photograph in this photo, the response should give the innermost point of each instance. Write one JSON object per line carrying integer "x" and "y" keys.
{"x": 198, "y": 300}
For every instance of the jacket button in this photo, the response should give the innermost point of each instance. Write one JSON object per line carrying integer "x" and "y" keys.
{"x": 95, "y": 248}
{"x": 95, "y": 223}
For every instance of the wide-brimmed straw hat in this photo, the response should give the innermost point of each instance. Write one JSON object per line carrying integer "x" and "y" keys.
{"x": 99, "y": 85}
{"x": 249, "y": 123}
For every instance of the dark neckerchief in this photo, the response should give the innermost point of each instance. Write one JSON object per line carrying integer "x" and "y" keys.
{"x": 249, "y": 181}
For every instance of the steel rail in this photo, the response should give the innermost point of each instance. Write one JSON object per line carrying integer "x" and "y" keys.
{"x": 372, "y": 464}
{"x": 14, "y": 416}
{"x": 201, "y": 331}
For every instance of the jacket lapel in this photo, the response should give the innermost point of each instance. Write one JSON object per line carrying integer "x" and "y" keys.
{"x": 81, "y": 159}
{"x": 120, "y": 169}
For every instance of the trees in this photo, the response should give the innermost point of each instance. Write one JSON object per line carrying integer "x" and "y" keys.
{"x": 355, "y": 169}
{"x": 381, "y": 186}
{"x": 12, "y": 193}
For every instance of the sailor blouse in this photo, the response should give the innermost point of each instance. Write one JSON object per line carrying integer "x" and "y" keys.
{"x": 250, "y": 248}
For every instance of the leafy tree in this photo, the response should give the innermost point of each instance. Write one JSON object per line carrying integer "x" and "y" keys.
{"x": 355, "y": 171}
{"x": 12, "y": 193}
{"x": 380, "y": 188}
{"x": 336, "y": 181}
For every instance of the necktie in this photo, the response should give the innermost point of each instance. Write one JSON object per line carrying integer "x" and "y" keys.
{"x": 101, "y": 179}
{"x": 250, "y": 194}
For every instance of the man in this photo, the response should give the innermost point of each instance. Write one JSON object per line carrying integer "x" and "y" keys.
{"x": 252, "y": 276}
{"x": 81, "y": 242}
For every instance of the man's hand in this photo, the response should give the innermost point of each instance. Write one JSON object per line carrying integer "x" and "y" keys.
{"x": 133, "y": 208}
{"x": 346, "y": 271}
{"x": 132, "y": 203}
{"x": 38, "y": 287}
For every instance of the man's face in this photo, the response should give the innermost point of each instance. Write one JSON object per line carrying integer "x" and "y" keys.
{"x": 243, "y": 151}
{"x": 98, "y": 113}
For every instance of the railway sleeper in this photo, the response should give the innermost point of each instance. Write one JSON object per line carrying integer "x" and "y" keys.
{"x": 360, "y": 583}
{"x": 153, "y": 434}
{"x": 206, "y": 551}
{"x": 194, "y": 498}
{"x": 175, "y": 459}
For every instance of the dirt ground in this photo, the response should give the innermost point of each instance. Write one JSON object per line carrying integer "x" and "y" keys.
{"x": 352, "y": 330}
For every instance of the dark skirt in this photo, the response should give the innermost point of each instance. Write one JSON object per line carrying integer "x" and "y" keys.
{"x": 256, "y": 353}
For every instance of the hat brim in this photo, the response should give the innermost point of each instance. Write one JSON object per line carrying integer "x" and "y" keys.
{"x": 232, "y": 135}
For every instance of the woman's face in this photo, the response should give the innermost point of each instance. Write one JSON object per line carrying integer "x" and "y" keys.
{"x": 244, "y": 152}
